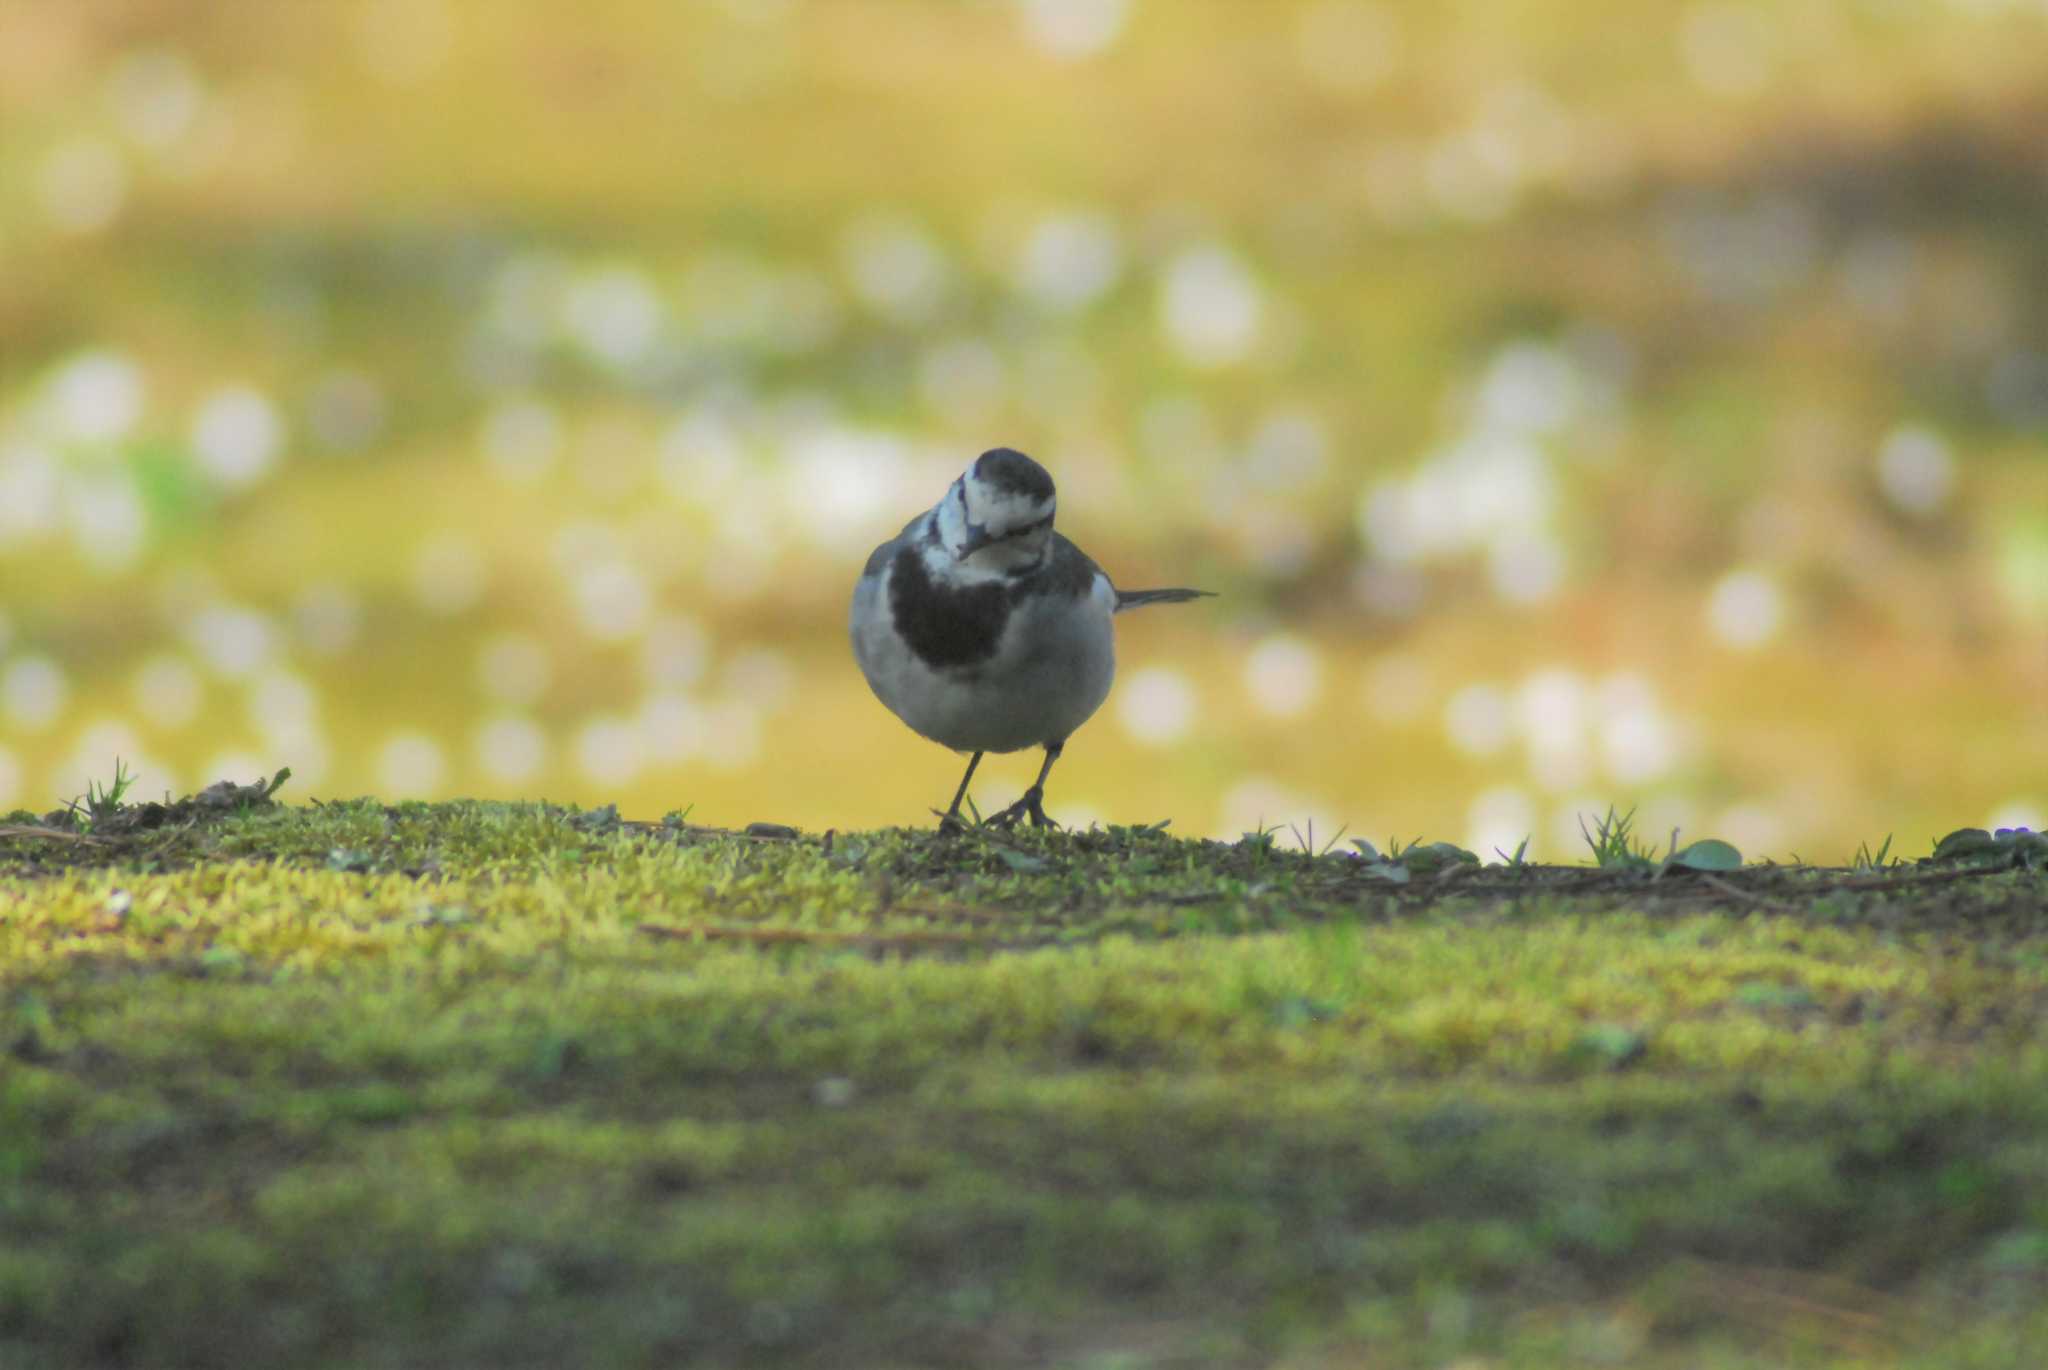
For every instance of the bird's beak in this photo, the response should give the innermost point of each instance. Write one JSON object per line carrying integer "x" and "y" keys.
{"x": 977, "y": 538}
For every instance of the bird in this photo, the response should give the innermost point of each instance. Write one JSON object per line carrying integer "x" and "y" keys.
{"x": 986, "y": 631}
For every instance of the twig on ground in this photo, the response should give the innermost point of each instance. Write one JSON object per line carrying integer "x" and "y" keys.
{"x": 8, "y": 830}
{"x": 1748, "y": 896}
{"x": 857, "y": 941}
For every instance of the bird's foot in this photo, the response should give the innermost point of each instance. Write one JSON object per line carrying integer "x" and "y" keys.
{"x": 1031, "y": 806}
{"x": 951, "y": 824}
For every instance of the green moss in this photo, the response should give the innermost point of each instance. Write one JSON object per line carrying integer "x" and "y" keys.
{"x": 481, "y": 1083}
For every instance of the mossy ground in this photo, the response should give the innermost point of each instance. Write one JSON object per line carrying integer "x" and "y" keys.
{"x": 510, "y": 1085}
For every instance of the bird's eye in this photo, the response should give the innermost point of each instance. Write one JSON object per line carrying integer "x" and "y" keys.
{"x": 1011, "y": 534}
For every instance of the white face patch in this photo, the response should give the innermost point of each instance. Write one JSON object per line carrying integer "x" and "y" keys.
{"x": 1001, "y": 511}
{"x": 951, "y": 520}
{"x": 973, "y": 506}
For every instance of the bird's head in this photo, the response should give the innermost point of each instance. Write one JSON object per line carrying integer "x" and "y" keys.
{"x": 999, "y": 513}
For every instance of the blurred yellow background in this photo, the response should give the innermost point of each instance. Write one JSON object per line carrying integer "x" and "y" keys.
{"x": 1575, "y": 403}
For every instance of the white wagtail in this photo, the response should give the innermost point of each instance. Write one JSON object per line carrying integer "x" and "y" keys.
{"x": 985, "y": 630}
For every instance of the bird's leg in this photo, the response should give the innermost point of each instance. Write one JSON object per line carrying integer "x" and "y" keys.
{"x": 1032, "y": 804}
{"x": 949, "y": 821}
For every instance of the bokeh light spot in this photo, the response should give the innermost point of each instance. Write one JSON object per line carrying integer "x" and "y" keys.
{"x": 168, "y": 691}
{"x": 233, "y": 641}
{"x": 1526, "y": 568}
{"x": 1347, "y": 46}
{"x": 732, "y": 735}
{"x": 1258, "y": 803}
{"x": 1551, "y": 710}
{"x": 761, "y": 675}
{"x": 96, "y": 397}
{"x": 675, "y": 726}
{"x": 1486, "y": 491}
{"x": 1284, "y": 675}
{"x": 1210, "y": 307}
{"x": 281, "y": 700}
{"x": 284, "y": 708}
{"x": 675, "y": 653}
{"x": 1728, "y": 49}
{"x": 963, "y": 381}
{"x": 328, "y": 618}
{"x": 514, "y": 667}
{"x": 845, "y": 486}
{"x": 236, "y": 435}
{"x": 156, "y": 97}
{"x": 1916, "y": 470}
{"x": 1497, "y": 820}
{"x": 2019, "y": 813}
{"x": 242, "y": 767}
{"x": 1397, "y": 688}
{"x": 1529, "y": 387}
{"x": 93, "y": 754}
{"x": 84, "y": 183}
{"x": 1746, "y": 609}
{"x": 109, "y": 523}
{"x": 1478, "y": 720}
{"x": 449, "y": 574}
{"x": 615, "y": 313}
{"x": 31, "y": 493}
{"x": 411, "y": 765}
{"x": 511, "y": 749}
{"x": 896, "y": 268}
{"x": 610, "y": 750}
{"x": 522, "y": 439}
{"x": 1288, "y": 451}
{"x": 1757, "y": 829}
{"x": 1073, "y": 29}
{"x": 33, "y": 691}
{"x": 1638, "y": 742}
{"x": 405, "y": 41}
{"x": 1069, "y": 261}
{"x": 612, "y": 599}
{"x": 1156, "y": 706}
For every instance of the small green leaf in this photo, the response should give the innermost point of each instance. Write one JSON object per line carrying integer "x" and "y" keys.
{"x": 1610, "y": 1045}
{"x": 1708, "y": 854}
{"x": 1762, "y": 994}
{"x": 443, "y": 915}
{"x": 1298, "y": 1011}
{"x": 1962, "y": 1183}
{"x": 1366, "y": 849}
{"x": 377, "y": 1102}
{"x": 2023, "y": 1249}
{"x": 1024, "y": 863}
{"x": 2006, "y": 847}
{"x": 1964, "y": 843}
{"x": 1437, "y": 856}
{"x": 605, "y": 819}
{"x": 848, "y": 853}
{"x": 222, "y": 961}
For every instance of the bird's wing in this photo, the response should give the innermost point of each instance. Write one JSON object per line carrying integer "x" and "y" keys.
{"x": 1067, "y": 568}
{"x": 882, "y": 555}
{"x": 1073, "y": 566}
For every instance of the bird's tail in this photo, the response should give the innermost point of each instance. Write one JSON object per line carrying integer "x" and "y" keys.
{"x": 1131, "y": 599}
